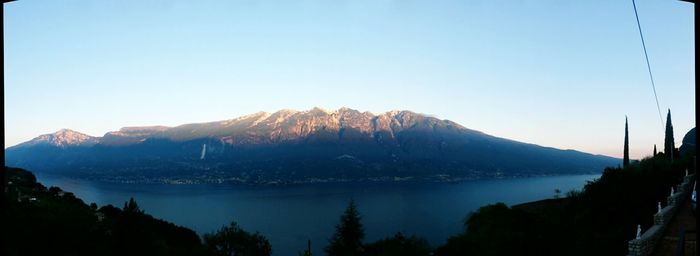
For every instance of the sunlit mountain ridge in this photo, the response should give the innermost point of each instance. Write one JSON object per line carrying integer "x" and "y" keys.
{"x": 290, "y": 146}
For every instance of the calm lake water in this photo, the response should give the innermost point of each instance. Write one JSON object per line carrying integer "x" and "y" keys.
{"x": 290, "y": 215}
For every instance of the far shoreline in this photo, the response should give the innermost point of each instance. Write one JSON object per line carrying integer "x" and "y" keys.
{"x": 280, "y": 184}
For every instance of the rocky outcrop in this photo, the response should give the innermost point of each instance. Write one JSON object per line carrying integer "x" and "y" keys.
{"x": 62, "y": 138}
{"x": 265, "y": 128}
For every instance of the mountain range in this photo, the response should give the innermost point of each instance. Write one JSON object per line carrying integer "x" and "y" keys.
{"x": 291, "y": 146}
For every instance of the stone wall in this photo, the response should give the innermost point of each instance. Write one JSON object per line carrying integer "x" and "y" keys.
{"x": 644, "y": 245}
{"x": 664, "y": 216}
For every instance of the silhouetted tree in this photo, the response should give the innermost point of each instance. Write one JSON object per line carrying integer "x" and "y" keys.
{"x": 132, "y": 206}
{"x": 626, "y": 154}
{"x": 62, "y": 224}
{"x": 349, "y": 233}
{"x": 654, "y": 150}
{"x": 307, "y": 252}
{"x": 669, "y": 145}
{"x": 399, "y": 245}
{"x": 232, "y": 240}
{"x": 601, "y": 218}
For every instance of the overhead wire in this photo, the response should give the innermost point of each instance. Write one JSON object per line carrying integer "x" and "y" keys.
{"x": 646, "y": 56}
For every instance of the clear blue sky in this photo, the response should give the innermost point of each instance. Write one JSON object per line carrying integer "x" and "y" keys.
{"x": 555, "y": 73}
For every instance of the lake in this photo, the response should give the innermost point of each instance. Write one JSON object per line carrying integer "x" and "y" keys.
{"x": 289, "y": 215}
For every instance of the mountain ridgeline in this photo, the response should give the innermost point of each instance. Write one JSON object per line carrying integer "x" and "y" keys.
{"x": 298, "y": 147}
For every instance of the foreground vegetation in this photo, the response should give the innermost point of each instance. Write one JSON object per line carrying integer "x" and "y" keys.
{"x": 48, "y": 221}
{"x": 598, "y": 220}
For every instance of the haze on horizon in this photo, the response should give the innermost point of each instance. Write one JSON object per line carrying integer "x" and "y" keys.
{"x": 553, "y": 73}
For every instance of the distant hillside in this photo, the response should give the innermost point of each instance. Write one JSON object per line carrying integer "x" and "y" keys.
{"x": 298, "y": 147}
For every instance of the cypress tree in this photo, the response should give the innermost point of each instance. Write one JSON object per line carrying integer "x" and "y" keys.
{"x": 349, "y": 233}
{"x": 654, "y": 150}
{"x": 626, "y": 153}
{"x": 669, "y": 145}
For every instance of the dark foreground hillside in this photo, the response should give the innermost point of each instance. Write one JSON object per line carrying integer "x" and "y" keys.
{"x": 599, "y": 220}
{"x": 48, "y": 221}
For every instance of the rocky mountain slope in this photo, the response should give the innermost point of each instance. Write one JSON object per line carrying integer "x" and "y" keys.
{"x": 291, "y": 146}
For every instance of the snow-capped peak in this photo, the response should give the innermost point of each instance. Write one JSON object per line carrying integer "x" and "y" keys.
{"x": 63, "y": 138}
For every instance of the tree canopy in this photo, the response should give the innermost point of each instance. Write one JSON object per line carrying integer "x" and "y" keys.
{"x": 349, "y": 233}
{"x": 669, "y": 142}
{"x": 58, "y": 223}
{"x": 626, "y": 151}
{"x": 232, "y": 240}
